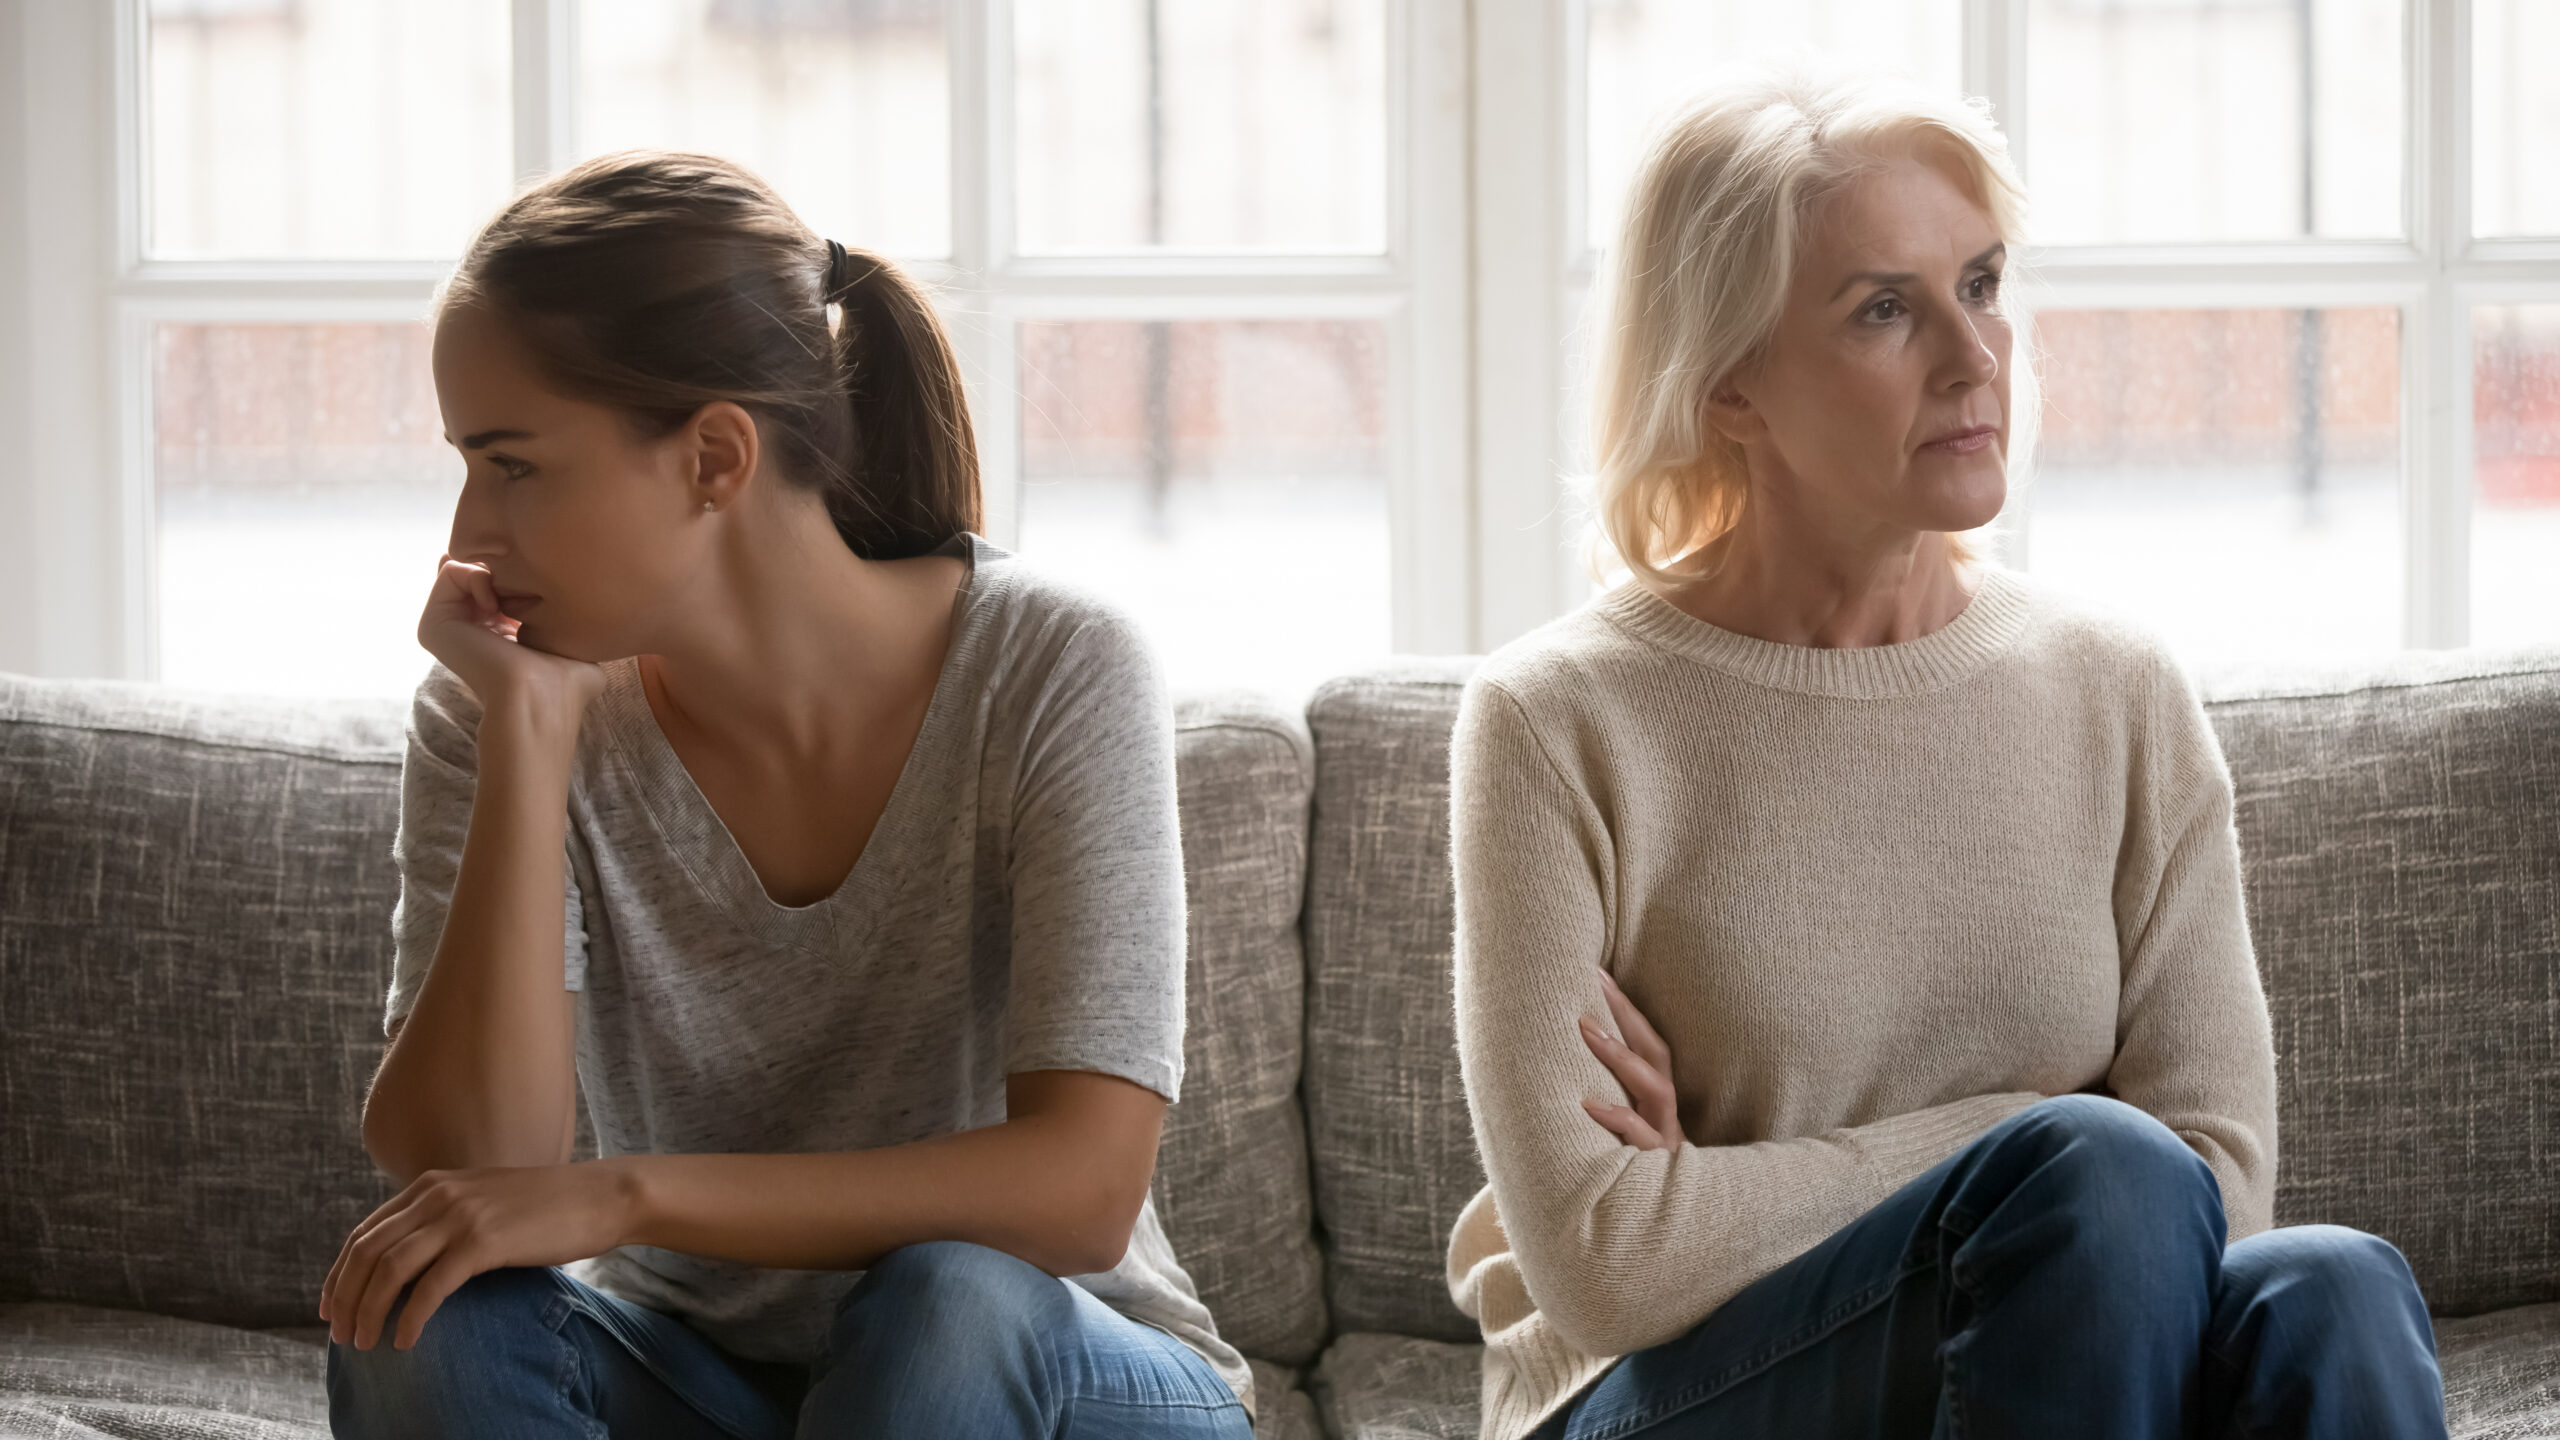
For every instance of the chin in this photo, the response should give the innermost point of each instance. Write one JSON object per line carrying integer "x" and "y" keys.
{"x": 1967, "y": 502}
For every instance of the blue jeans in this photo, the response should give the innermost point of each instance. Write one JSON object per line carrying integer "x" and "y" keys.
{"x": 936, "y": 1340}
{"x": 2065, "y": 1274}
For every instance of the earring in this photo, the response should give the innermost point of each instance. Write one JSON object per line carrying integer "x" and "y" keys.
{"x": 707, "y": 505}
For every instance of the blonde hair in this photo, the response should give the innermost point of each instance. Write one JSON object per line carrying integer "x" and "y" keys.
{"x": 1700, "y": 274}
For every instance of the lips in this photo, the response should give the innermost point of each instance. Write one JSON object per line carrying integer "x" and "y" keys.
{"x": 1965, "y": 441}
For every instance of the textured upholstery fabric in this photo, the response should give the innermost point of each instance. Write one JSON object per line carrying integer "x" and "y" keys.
{"x": 2501, "y": 1382}
{"x": 2400, "y": 829}
{"x": 1394, "y": 1149}
{"x": 1231, "y": 1177}
{"x": 1392, "y": 1387}
{"x": 1282, "y": 1411}
{"x": 2502, "y": 1374}
{"x": 72, "y": 1371}
{"x": 194, "y": 935}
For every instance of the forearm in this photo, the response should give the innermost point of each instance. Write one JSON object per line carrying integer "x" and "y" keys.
{"x": 1033, "y": 1187}
{"x": 482, "y": 1072}
{"x": 1637, "y": 1246}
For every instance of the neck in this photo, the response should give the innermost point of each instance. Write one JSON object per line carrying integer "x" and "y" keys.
{"x": 1780, "y": 576}
{"x": 791, "y": 635}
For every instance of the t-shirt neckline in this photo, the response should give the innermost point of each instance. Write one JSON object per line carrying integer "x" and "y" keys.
{"x": 710, "y": 854}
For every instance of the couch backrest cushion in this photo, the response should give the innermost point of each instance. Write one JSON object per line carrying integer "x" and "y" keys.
{"x": 194, "y": 936}
{"x": 2400, "y": 831}
{"x": 1395, "y": 1155}
{"x": 1231, "y": 1177}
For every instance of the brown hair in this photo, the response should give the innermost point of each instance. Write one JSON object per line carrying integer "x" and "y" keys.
{"x": 657, "y": 282}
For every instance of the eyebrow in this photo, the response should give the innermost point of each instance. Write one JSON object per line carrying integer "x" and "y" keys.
{"x": 1905, "y": 277}
{"x": 486, "y": 438}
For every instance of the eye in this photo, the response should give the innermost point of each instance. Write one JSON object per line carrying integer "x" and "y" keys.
{"x": 510, "y": 466}
{"x": 1984, "y": 287}
{"x": 1882, "y": 309}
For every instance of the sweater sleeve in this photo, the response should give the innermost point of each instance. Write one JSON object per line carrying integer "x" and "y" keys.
{"x": 2193, "y": 1043}
{"x": 1620, "y": 1248}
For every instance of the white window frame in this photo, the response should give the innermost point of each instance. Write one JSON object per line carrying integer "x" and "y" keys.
{"x": 84, "y": 558}
{"x": 1479, "y": 288}
{"x": 1533, "y": 267}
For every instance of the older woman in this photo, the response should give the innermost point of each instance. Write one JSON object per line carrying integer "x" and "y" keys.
{"x": 1854, "y": 992}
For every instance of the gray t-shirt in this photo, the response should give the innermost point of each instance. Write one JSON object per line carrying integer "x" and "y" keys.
{"x": 1018, "y": 907}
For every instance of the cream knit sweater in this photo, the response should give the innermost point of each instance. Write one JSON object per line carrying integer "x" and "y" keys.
{"x": 1876, "y": 900}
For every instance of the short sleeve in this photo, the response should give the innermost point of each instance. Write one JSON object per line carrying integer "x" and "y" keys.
{"x": 1096, "y": 867}
{"x": 439, "y": 773}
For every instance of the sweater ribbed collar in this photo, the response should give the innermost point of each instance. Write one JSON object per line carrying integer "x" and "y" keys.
{"x": 1987, "y": 625}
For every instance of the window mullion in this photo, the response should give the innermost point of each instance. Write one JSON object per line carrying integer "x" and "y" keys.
{"x": 979, "y": 44}
{"x": 543, "y": 67}
{"x": 2435, "y": 374}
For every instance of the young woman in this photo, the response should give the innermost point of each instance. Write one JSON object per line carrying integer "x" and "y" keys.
{"x": 828, "y": 853}
{"x": 1854, "y": 993}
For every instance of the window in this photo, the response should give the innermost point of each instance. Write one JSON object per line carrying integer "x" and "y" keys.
{"x": 2285, "y": 247}
{"x": 1274, "y": 311}
{"x": 1169, "y": 237}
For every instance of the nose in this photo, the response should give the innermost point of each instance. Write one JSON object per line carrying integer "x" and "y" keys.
{"x": 479, "y": 528}
{"x": 1977, "y": 346}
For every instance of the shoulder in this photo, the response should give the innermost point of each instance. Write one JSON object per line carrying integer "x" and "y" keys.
{"x": 1563, "y": 690}
{"x": 2096, "y": 650}
{"x": 2068, "y": 628}
{"x": 1566, "y": 667}
{"x": 1033, "y": 616}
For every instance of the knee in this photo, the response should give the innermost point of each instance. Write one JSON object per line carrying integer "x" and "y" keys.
{"x": 471, "y": 1337}
{"x": 2324, "y": 1285}
{"x": 2117, "y": 1181}
{"x": 949, "y": 1300}
{"x": 2101, "y": 1146}
{"x": 942, "y": 1338}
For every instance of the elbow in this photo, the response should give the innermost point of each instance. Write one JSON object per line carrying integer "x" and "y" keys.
{"x": 1593, "y": 1319}
{"x": 1097, "y": 1237}
{"x": 390, "y": 1144}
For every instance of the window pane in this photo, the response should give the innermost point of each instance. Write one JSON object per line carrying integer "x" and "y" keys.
{"x": 342, "y": 128}
{"x": 1647, "y": 56}
{"x": 2515, "y": 117}
{"x": 1225, "y": 481}
{"x": 304, "y": 493}
{"x": 844, "y": 105}
{"x": 2150, "y": 121}
{"x": 1215, "y": 124}
{"x": 2515, "y": 509}
{"x": 2229, "y": 476}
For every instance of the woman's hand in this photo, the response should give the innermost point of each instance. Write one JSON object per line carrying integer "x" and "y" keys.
{"x": 450, "y": 1225}
{"x": 464, "y": 627}
{"x": 1642, "y": 1064}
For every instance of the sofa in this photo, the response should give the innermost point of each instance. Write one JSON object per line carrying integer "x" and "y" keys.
{"x": 195, "y": 900}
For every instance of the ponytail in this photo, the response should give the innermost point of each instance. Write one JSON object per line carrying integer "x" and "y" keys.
{"x": 658, "y": 283}
{"x": 911, "y": 481}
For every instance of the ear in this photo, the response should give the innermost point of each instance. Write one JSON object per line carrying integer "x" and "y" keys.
{"x": 1729, "y": 412}
{"x": 725, "y": 447}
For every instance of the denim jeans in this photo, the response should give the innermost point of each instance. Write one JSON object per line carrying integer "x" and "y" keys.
{"x": 2064, "y": 1275}
{"x": 936, "y": 1340}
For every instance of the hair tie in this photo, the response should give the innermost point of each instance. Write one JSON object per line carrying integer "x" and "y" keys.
{"x": 837, "y": 280}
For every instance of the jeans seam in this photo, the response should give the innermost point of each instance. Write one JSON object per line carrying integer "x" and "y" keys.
{"x": 556, "y": 1314}
{"x": 1769, "y": 1354}
{"x": 647, "y": 1362}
